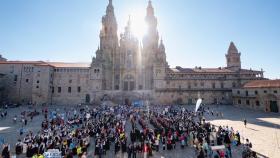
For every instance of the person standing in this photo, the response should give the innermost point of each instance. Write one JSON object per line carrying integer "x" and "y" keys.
{"x": 129, "y": 151}
{"x": 6, "y": 152}
{"x": 245, "y": 123}
{"x": 134, "y": 150}
{"x": 163, "y": 142}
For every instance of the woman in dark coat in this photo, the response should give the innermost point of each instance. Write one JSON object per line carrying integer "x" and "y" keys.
{"x": 6, "y": 152}
{"x": 29, "y": 151}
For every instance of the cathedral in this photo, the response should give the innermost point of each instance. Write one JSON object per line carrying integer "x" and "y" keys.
{"x": 123, "y": 72}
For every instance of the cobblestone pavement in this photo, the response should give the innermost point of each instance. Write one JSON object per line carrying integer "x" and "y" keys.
{"x": 263, "y": 130}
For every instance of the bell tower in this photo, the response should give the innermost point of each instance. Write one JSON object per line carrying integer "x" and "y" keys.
{"x": 108, "y": 49}
{"x": 150, "y": 41}
{"x": 150, "y": 47}
{"x": 108, "y": 34}
{"x": 233, "y": 58}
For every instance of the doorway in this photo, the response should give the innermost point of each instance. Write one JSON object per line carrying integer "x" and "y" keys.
{"x": 274, "y": 106}
{"x": 87, "y": 98}
{"x": 127, "y": 101}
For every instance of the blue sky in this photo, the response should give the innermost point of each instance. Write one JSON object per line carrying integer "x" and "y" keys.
{"x": 195, "y": 32}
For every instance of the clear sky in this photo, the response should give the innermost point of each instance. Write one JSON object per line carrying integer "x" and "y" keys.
{"x": 195, "y": 32}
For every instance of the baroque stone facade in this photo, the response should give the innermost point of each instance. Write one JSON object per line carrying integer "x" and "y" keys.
{"x": 123, "y": 71}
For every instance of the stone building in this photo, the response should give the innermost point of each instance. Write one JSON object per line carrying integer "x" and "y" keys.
{"x": 261, "y": 95}
{"x": 2, "y": 88}
{"x": 124, "y": 71}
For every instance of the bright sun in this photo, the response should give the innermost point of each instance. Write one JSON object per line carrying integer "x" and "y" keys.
{"x": 138, "y": 24}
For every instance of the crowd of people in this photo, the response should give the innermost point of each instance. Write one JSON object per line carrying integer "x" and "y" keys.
{"x": 127, "y": 130}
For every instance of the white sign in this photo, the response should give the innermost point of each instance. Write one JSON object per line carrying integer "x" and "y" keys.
{"x": 52, "y": 153}
{"x": 219, "y": 147}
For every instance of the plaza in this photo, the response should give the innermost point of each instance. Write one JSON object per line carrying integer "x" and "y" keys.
{"x": 133, "y": 96}
{"x": 262, "y": 130}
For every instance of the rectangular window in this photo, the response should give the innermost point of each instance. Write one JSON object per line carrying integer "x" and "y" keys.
{"x": 131, "y": 85}
{"x": 38, "y": 81}
{"x": 69, "y": 89}
{"x": 239, "y": 101}
{"x": 238, "y": 92}
{"x": 256, "y": 92}
{"x": 37, "y": 87}
{"x": 59, "y": 89}
{"x": 233, "y": 84}
{"x": 247, "y": 93}
{"x": 213, "y": 85}
{"x": 202, "y": 84}
{"x": 264, "y": 91}
{"x": 140, "y": 87}
{"x": 189, "y": 86}
{"x": 222, "y": 85}
{"x": 52, "y": 89}
{"x": 15, "y": 78}
{"x": 125, "y": 86}
{"x": 79, "y": 89}
{"x": 27, "y": 80}
{"x": 116, "y": 87}
{"x": 275, "y": 92}
{"x": 248, "y": 102}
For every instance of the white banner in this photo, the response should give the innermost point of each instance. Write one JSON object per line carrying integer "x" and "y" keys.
{"x": 52, "y": 153}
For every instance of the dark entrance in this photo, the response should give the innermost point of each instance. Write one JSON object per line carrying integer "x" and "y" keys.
{"x": 127, "y": 102}
{"x": 87, "y": 98}
{"x": 179, "y": 101}
{"x": 274, "y": 106}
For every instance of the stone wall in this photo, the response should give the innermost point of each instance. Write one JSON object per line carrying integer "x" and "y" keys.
{"x": 18, "y": 82}
{"x": 70, "y": 85}
{"x": 256, "y": 98}
{"x": 190, "y": 97}
{"x": 42, "y": 85}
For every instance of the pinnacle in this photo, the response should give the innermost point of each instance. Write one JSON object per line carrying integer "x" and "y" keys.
{"x": 232, "y": 48}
